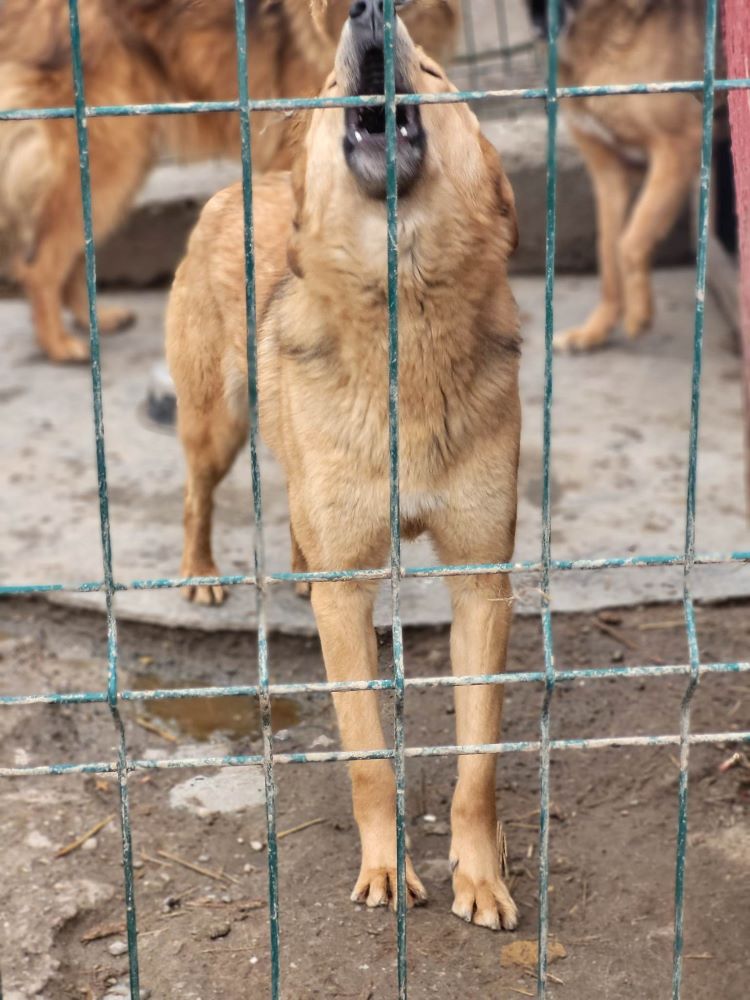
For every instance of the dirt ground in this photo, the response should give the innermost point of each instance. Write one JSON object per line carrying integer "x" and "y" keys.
{"x": 205, "y": 936}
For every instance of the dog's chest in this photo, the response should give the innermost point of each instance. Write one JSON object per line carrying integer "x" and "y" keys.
{"x": 594, "y": 127}
{"x": 449, "y": 397}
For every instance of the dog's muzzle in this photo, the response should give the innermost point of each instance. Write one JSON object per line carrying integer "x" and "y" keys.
{"x": 364, "y": 128}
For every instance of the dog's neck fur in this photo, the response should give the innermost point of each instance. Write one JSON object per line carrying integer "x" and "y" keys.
{"x": 465, "y": 337}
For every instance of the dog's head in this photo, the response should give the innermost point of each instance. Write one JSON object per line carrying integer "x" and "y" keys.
{"x": 444, "y": 166}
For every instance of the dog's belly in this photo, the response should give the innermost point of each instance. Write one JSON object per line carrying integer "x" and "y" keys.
{"x": 594, "y": 127}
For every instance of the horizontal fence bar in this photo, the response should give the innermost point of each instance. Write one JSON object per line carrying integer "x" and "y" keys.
{"x": 291, "y": 104}
{"x": 379, "y": 684}
{"x": 383, "y": 573}
{"x": 344, "y": 756}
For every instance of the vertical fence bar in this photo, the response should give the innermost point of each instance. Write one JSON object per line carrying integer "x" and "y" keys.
{"x": 264, "y": 697}
{"x": 503, "y": 36}
{"x": 467, "y": 17}
{"x": 709, "y": 68}
{"x": 389, "y": 35}
{"x": 101, "y": 469}
{"x": 549, "y": 657}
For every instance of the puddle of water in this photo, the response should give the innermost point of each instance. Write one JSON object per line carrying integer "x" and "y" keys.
{"x": 203, "y": 718}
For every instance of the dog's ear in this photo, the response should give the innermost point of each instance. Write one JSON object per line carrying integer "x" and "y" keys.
{"x": 505, "y": 201}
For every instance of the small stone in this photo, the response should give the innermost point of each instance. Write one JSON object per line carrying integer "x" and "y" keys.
{"x": 322, "y": 741}
{"x": 219, "y": 931}
{"x": 137, "y": 864}
{"x": 429, "y": 818}
{"x": 90, "y": 845}
{"x": 204, "y": 857}
{"x": 256, "y": 845}
{"x": 117, "y": 948}
{"x": 240, "y": 840}
{"x": 282, "y": 736}
{"x": 254, "y": 960}
{"x": 248, "y": 868}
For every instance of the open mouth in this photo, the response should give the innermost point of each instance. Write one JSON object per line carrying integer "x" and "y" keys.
{"x": 365, "y": 139}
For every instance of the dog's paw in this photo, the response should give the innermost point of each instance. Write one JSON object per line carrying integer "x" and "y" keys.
{"x": 484, "y": 902}
{"x": 208, "y": 594}
{"x": 579, "y": 338}
{"x": 113, "y": 319}
{"x": 69, "y": 350}
{"x": 377, "y": 886}
{"x": 637, "y": 321}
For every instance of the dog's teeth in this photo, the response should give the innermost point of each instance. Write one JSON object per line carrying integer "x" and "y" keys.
{"x": 403, "y": 131}
{"x": 357, "y": 136}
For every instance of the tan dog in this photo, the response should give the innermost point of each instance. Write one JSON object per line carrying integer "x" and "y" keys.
{"x": 623, "y": 42}
{"x": 320, "y": 241}
{"x": 135, "y": 52}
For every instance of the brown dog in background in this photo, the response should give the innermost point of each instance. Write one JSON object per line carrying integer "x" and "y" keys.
{"x": 623, "y": 42}
{"x": 320, "y": 238}
{"x": 135, "y": 52}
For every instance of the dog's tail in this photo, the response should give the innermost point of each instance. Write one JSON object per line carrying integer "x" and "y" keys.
{"x": 26, "y": 169}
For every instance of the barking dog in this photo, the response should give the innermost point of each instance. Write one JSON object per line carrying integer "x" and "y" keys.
{"x": 135, "y": 52}
{"x": 320, "y": 238}
{"x": 624, "y": 42}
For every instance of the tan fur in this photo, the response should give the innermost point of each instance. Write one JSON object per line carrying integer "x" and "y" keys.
{"x": 624, "y": 42}
{"x": 323, "y": 385}
{"x": 136, "y": 52}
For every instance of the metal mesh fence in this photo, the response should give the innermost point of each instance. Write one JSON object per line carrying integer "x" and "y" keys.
{"x": 269, "y": 759}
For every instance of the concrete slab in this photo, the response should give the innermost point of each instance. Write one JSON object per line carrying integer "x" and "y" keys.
{"x": 619, "y": 465}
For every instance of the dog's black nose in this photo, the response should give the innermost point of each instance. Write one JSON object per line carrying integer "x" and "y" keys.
{"x": 367, "y": 20}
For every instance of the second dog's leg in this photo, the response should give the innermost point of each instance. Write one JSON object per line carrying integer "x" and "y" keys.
{"x": 75, "y": 296}
{"x": 43, "y": 278}
{"x": 671, "y": 171}
{"x": 344, "y": 616}
{"x": 611, "y": 181}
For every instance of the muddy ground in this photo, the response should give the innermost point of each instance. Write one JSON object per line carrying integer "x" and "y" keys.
{"x": 206, "y": 935}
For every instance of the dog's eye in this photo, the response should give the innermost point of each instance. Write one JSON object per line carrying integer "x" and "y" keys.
{"x": 430, "y": 72}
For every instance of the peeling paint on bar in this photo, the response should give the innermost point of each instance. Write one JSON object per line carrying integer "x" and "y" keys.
{"x": 379, "y": 684}
{"x": 544, "y": 583}
{"x": 264, "y": 698}
{"x": 101, "y": 468}
{"x": 290, "y": 104}
{"x": 384, "y": 573}
{"x": 344, "y": 756}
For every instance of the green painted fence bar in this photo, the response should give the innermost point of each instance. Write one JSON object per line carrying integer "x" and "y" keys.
{"x": 543, "y": 569}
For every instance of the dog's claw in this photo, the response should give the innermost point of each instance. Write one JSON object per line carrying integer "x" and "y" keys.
{"x": 206, "y": 595}
{"x": 378, "y": 887}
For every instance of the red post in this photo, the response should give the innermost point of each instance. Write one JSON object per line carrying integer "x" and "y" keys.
{"x": 737, "y": 45}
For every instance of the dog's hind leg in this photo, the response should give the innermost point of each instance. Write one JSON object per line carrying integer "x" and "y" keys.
{"x": 343, "y": 612}
{"x": 211, "y": 437}
{"x": 75, "y": 297}
{"x": 611, "y": 180}
{"x": 672, "y": 168}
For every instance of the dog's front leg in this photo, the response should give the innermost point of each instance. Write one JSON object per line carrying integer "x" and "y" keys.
{"x": 344, "y": 616}
{"x": 479, "y": 639}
